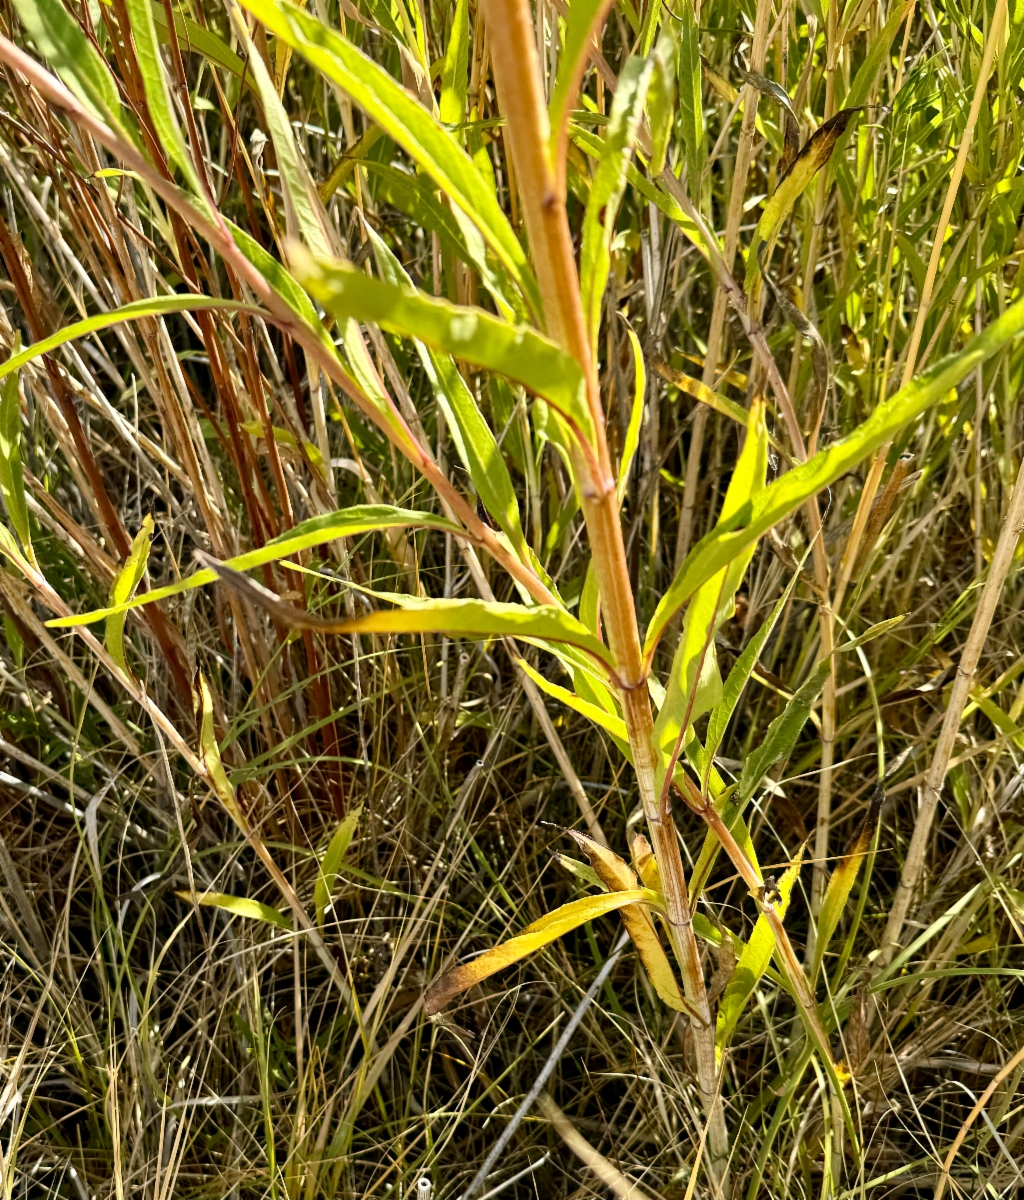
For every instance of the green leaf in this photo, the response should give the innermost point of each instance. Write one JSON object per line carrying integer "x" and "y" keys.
{"x": 60, "y": 40}
{"x": 636, "y": 416}
{"x": 193, "y": 36}
{"x": 841, "y": 881}
{"x": 478, "y": 449}
{"x": 654, "y": 193}
{"x": 535, "y": 937}
{"x": 241, "y": 906}
{"x": 695, "y": 685}
{"x": 877, "y": 53}
{"x": 691, "y": 103}
{"x": 753, "y": 962}
{"x": 125, "y": 584}
{"x": 474, "y": 619}
{"x": 408, "y": 123}
{"x": 607, "y": 189}
{"x": 515, "y": 351}
{"x": 136, "y": 310}
{"x": 418, "y": 198}
{"x": 584, "y": 20}
{"x": 650, "y": 27}
{"x": 661, "y": 95}
{"x": 317, "y": 531}
{"x": 304, "y": 212}
{"x": 12, "y": 483}
{"x": 741, "y": 671}
{"x": 474, "y": 441}
{"x": 329, "y": 864}
{"x": 455, "y": 73}
{"x": 158, "y": 99}
{"x": 782, "y": 732}
{"x": 784, "y": 495}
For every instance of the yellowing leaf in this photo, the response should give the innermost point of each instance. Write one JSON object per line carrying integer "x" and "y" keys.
{"x": 541, "y": 933}
{"x": 842, "y": 880}
{"x": 241, "y": 906}
{"x": 466, "y": 618}
{"x": 615, "y": 874}
{"x": 814, "y": 155}
{"x": 128, "y": 579}
{"x": 209, "y": 754}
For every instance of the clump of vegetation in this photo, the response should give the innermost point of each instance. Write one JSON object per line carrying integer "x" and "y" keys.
{"x": 512, "y": 673}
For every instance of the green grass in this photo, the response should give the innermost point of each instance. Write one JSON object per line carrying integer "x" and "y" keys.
{"x": 218, "y": 928}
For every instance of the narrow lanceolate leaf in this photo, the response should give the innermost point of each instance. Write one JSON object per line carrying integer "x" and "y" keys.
{"x": 60, "y": 40}
{"x": 405, "y": 120}
{"x": 741, "y": 671}
{"x": 304, "y": 212}
{"x": 585, "y": 19}
{"x": 842, "y": 879}
{"x": 695, "y": 685}
{"x": 691, "y": 105}
{"x": 209, "y": 754}
{"x": 193, "y": 36}
{"x": 457, "y": 618}
{"x": 157, "y": 307}
{"x": 782, "y": 732}
{"x": 331, "y": 861}
{"x": 241, "y": 906}
{"x": 516, "y": 351}
{"x": 478, "y": 448}
{"x": 125, "y": 585}
{"x": 753, "y": 962}
{"x": 784, "y": 495}
{"x": 534, "y": 937}
{"x": 158, "y": 99}
{"x": 607, "y": 721}
{"x": 474, "y": 439}
{"x": 607, "y": 188}
{"x": 455, "y": 73}
{"x": 636, "y": 416}
{"x": 12, "y": 483}
{"x": 317, "y": 531}
{"x": 661, "y": 95}
{"x": 877, "y": 53}
{"x": 814, "y": 155}
{"x": 615, "y": 874}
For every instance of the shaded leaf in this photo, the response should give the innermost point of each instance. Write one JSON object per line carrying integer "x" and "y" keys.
{"x": 12, "y": 483}
{"x": 335, "y": 852}
{"x": 753, "y": 962}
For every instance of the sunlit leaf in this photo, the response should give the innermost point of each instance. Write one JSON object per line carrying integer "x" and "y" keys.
{"x": 541, "y": 933}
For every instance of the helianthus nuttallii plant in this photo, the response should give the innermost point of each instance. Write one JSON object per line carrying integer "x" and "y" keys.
{"x": 438, "y": 434}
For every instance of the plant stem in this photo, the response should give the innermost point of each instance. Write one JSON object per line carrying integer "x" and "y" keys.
{"x": 517, "y": 79}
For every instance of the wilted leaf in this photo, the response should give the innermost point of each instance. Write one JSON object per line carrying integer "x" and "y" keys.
{"x": 534, "y": 937}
